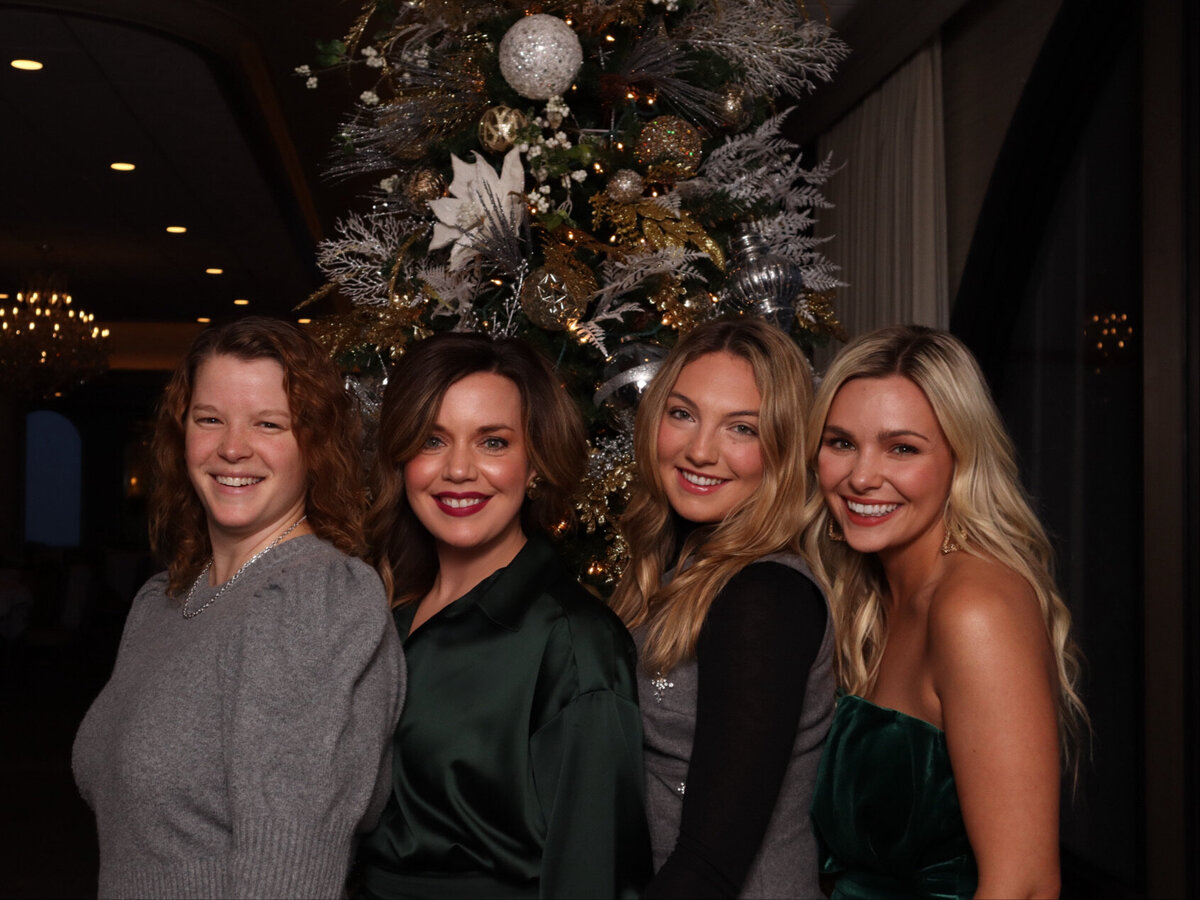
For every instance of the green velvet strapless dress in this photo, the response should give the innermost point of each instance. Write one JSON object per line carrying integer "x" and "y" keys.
{"x": 886, "y": 808}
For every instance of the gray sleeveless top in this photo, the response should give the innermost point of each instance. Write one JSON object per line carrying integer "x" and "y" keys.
{"x": 787, "y": 861}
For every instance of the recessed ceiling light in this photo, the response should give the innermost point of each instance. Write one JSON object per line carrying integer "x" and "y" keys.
{"x": 240, "y": 302}
{"x": 304, "y": 321}
{"x": 176, "y": 229}
{"x": 28, "y": 65}
{"x": 214, "y": 271}
{"x": 203, "y": 320}
{"x": 122, "y": 167}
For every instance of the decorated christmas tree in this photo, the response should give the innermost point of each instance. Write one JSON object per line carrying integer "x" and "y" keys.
{"x": 596, "y": 176}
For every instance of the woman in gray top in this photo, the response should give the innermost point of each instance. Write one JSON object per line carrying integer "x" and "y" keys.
{"x": 735, "y": 673}
{"x": 243, "y": 737}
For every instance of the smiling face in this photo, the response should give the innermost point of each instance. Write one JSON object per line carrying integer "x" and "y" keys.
{"x": 242, "y": 455}
{"x": 885, "y": 466}
{"x": 467, "y": 483}
{"x": 709, "y": 456}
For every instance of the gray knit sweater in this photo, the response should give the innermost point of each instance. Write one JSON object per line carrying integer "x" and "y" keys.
{"x": 236, "y": 753}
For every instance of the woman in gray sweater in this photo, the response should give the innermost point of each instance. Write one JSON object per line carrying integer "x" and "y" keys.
{"x": 241, "y": 740}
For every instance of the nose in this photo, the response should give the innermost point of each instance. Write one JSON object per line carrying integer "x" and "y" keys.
{"x": 702, "y": 448}
{"x": 865, "y": 474}
{"x": 459, "y": 464}
{"x": 234, "y": 445}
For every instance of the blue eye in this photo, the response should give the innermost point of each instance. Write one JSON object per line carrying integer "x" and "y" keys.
{"x": 495, "y": 443}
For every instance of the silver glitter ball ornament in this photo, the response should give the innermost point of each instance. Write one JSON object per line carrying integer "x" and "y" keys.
{"x": 625, "y": 186}
{"x": 539, "y": 56}
{"x": 762, "y": 283}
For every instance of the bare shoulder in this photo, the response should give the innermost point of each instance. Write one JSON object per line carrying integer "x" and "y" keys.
{"x": 980, "y": 602}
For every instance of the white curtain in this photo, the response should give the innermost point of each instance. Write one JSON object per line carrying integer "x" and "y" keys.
{"x": 889, "y": 217}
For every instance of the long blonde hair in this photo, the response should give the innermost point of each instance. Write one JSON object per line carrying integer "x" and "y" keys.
{"x": 987, "y": 510}
{"x": 768, "y": 521}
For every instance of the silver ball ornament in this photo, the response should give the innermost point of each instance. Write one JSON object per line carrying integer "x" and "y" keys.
{"x": 735, "y": 107}
{"x": 539, "y": 56}
{"x": 625, "y": 186}
{"x": 626, "y": 377}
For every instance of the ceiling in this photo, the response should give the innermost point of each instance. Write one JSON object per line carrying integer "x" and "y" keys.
{"x": 200, "y": 95}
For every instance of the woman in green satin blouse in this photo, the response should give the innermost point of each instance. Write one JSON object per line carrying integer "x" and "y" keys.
{"x": 517, "y": 765}
{"x": 940, "y": 776}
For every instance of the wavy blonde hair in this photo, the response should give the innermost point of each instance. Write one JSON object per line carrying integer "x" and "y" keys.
{"x": 768, "y": 521}
{"x": 987, "y": 510}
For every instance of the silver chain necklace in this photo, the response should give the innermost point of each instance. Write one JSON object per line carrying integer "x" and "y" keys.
{"x": 236, "y": 575}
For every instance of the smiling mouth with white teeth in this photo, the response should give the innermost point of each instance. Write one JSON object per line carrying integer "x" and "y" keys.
{"x": 701, "y": 480}
{"x": 460, "y": 502}
{"x": 871, "y": 509}
{"x": 230, "y": 481}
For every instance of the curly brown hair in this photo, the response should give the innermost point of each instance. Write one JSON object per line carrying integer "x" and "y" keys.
{"x": 327, "y": 427}
{"x": 402, "y": 549}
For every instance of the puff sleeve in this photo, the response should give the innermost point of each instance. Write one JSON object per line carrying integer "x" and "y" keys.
{"x": 311, "y": 691}
{"x": 587, "y": 763}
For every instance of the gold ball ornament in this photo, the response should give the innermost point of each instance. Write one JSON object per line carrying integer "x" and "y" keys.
{"x": 424, "y": 185}
{"x": 670, "y": 144}
{"x": 548, "y": 302}
{"x": 499, "y": 127}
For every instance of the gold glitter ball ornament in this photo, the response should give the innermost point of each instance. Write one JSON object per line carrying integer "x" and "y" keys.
{"x": 671, "y": 145}
{"x": 424, "y": 185}
{"x": 499, "y": 127}
{"x": 539, "y": 56}
{"x": 548, "y": 302}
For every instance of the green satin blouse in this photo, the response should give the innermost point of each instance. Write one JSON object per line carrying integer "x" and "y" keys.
{"x": 517, "y": 767}
{"x": 886, "y": 808}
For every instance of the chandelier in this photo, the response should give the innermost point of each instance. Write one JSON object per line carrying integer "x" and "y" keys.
{"x": 48, "y": 346}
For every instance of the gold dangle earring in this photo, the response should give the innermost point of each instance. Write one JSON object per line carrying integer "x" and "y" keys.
{"x": 951, "y": 541}
{"x": 833, "y": 530}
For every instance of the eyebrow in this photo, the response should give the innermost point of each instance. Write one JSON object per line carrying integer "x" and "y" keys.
{"x": 482, "y": 429}
{"x": 882, "y": 436}
{"x": 736, "y": 414}
{"x": 211, "y": 407}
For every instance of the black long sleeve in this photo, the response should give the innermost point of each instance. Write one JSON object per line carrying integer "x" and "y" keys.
{"x": 755, "y": 650}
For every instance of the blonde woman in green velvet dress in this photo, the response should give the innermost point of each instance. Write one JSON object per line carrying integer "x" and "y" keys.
{"x": 941, "y": 773}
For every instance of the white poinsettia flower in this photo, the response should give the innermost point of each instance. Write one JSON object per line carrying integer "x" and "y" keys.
{"x": 475, "y": 191}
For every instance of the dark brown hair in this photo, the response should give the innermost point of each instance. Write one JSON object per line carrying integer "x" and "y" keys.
{"x": 402, "y": 549}
{"x": 327, "y": 430}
